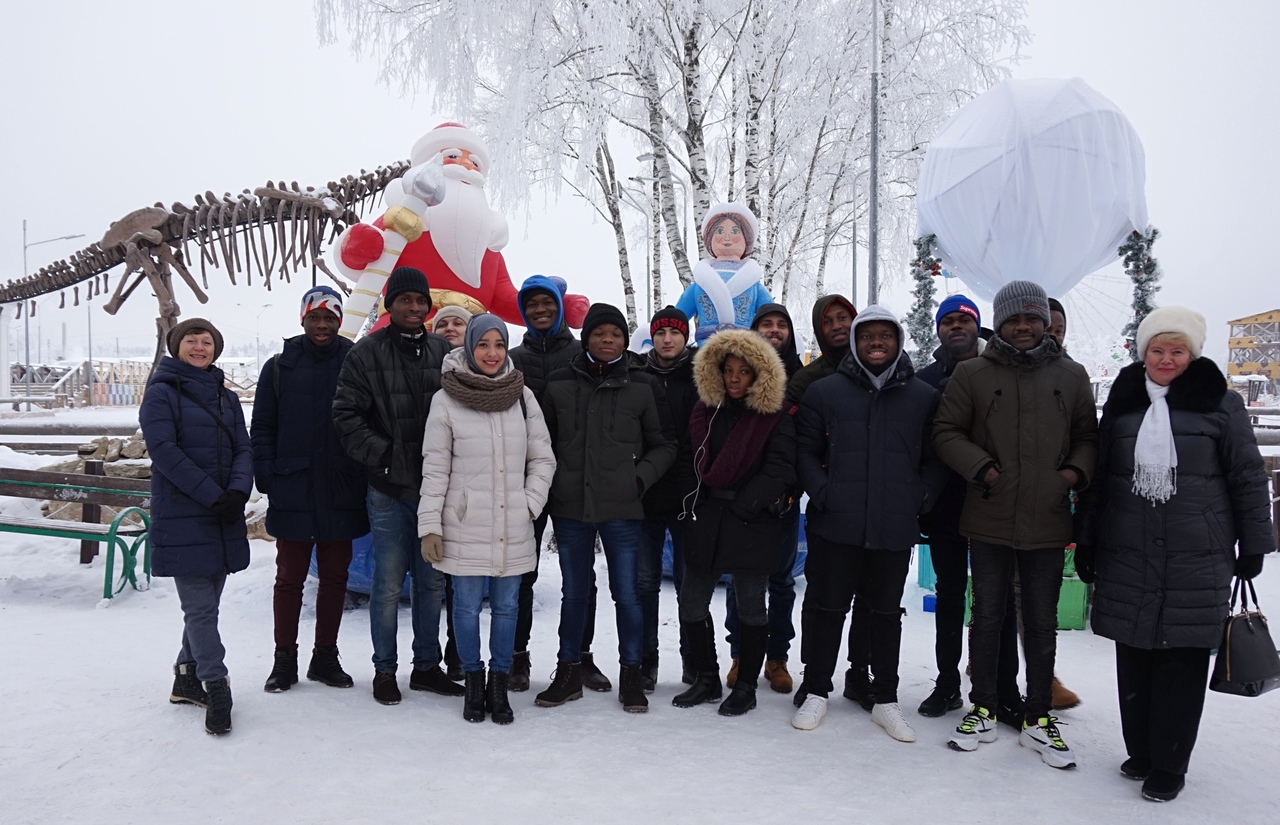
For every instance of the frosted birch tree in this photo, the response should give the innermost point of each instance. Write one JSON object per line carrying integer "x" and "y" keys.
{"x": 766, "y": 102}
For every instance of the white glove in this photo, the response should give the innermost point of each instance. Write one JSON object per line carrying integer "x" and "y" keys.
{"x": 427, "y": 181}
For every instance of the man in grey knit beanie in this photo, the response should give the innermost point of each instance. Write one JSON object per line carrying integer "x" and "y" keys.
{"x": 1020, "y": 298}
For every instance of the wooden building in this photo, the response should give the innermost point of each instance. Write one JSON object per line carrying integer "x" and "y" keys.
{"x": 1255, "y": 346}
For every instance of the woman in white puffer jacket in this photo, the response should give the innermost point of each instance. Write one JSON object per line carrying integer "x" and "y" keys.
{"x": 486, "y": 470}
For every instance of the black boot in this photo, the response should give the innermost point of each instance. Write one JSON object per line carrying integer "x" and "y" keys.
{"x": 631, "y": 690}
{"x": 688, "y": 670}
{"x": 705, "y": 686}
{"x": 217, "y": 717}
{"x": 326, "y": 668}
{"x": 473, "y": 699}
{"x": 753, "y": 641}
{"x": 941, "y": 701}
{"x": 857, "y": 687}
{"x": 592, "y": 678}
{"x": 519, "y": 677}
{"x": 566, "y": 686}
{"x": 187, "y": 689}
{"x": 495, "y": 699}
{"x": 649, "y": 671}
{"x": 284, "y": 673}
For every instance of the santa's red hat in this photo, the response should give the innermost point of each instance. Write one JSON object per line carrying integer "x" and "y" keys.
{"x": 450, "y": 136}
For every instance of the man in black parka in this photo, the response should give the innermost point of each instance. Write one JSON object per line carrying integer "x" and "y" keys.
{"x": 380, "y": 413}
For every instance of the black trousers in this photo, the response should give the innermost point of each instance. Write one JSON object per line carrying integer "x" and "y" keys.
{"x": 950, "y": 555}
{"x": 1161, "y": 699}
{"x": 836, "y": 573}
{"x": 1041, "y": 572}
{"x": 524, "y": 616}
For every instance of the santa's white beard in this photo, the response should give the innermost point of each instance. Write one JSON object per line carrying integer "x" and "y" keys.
{"x": 461, "y": 224}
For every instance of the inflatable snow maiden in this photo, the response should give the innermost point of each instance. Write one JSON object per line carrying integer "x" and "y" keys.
{"x": 726, "y": 289}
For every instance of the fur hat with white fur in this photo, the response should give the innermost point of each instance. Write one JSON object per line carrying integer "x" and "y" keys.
{"x": 1179, "y": 320}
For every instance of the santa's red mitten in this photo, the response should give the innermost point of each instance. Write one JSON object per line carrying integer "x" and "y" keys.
{"x": 575, "y": 309}
{"x": 362, "y": 246}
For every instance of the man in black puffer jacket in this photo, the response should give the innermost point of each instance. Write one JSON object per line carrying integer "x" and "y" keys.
{"x": 670, "y": 366}
{"x": 380, "y": 413}
{"x": 864, "y": 458}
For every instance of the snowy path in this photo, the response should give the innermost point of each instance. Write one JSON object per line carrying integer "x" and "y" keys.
{"x": 89, "y": 734}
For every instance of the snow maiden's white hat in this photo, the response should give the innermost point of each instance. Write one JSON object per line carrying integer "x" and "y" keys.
{"x": 449, "y": 136}
{"x": 741, "y": 215}
{"x": 1179, "y": 320}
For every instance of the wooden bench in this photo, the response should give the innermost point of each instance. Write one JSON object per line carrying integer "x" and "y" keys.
{"x": 92, "y": 489}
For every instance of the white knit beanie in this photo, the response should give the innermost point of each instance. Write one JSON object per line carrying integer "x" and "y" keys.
{"x": 1179, "y": 320}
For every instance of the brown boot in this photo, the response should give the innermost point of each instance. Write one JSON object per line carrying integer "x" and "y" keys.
{"x": 732, "y": 678}
{"x": 775, "y": 670}
{"x": 1062, "y": 696}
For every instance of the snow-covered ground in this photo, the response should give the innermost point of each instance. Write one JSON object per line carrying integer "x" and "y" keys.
{"x": 90, "y": 736}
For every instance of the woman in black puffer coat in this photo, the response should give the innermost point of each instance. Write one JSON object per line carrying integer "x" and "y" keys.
{"x": 744, "y": 457}
{"x": 201, "y": 477}
{"x": 1179, "y": 486}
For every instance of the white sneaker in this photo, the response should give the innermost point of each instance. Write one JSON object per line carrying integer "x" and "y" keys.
{"x": 809, "y": 715}
{"x": 1044, "y": 737}
{"x": 977, "y": 727}
{"x": 890, "y": 718}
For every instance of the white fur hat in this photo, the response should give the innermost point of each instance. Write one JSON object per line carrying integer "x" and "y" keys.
{"x": 1185, "y": 322}
{"x": 450, "y": 136}
{"x": 744, "y": 216}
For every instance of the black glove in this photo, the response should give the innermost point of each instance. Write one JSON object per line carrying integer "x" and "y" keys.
{"x": 230, "y": 506}
{"x": 1249, "y": 566}
{"x": 926, "y": 523}
{"x": 1085, "y": 557}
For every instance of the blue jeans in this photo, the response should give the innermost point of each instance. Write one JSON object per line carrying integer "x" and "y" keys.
{"x": 577, "y": 542}
{"x": 504, "y": 606}
{"x": 782, "y": 596}
{"x": 649, "y": 573}
{"x": 396, "y": 551}
{"x": 199, "y": 597}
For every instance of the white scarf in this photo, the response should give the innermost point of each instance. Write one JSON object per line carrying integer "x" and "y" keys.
{"x": 722, "y": 292}
{"x": 1155, "y": 459}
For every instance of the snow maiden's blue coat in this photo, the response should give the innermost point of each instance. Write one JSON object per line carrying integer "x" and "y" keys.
{"x": 724, "y": 293}
{"x": 194, "y": 460}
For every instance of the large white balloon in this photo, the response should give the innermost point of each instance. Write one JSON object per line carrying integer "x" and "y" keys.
{"x": 1039, "y": 180}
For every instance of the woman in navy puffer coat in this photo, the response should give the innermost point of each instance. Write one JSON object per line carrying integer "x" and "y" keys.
{"x": 201, "y": 477}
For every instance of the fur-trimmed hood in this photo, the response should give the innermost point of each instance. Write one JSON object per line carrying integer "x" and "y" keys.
{"x": 1200, "y": 389}
{"x": 766, "y": 393}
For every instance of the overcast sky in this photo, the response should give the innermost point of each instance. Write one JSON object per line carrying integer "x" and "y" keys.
{"x": 109, "y": 107}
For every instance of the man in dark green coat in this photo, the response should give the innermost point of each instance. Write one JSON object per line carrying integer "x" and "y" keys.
{"x": 610, "y": 448}
{"x": 1018, "y": 424}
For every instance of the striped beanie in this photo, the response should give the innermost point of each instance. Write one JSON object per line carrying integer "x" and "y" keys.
{"x": 322, "y": 297}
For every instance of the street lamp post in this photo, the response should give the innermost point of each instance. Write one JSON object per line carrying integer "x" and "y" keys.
{"x": 257, "y": 345}
{"x": 26, "y": 316}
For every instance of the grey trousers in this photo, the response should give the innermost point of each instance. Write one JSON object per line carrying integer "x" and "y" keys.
{"x": 199, "y": 597}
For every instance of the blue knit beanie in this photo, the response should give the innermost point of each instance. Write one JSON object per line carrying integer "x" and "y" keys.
{"x": 958, "y": 303}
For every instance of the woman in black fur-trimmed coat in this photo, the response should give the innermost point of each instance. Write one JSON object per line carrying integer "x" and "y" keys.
{"x": 744, "y": 458}
{"x": 1161, "y": 536}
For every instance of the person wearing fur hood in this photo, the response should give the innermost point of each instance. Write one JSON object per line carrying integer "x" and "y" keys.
{"x": 744, "y": 454}
{"x": 864, "y": 458}
{"x": 487, "y": 466}
{"x": 1178, "y": 509}
{"x": 726, "y": 291}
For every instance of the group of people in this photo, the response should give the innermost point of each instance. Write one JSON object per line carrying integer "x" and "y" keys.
{"x": 454, "y": 449}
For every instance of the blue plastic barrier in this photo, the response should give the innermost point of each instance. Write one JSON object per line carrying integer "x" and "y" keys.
{"x": 360, "y": 573}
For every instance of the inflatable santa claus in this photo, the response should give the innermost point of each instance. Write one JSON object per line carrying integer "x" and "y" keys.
{"x": 438, "y": 220}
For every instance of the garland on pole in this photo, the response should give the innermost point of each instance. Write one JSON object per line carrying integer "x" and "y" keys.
{"x": 920, "y": 321}
{"x": 1144, "y": 271}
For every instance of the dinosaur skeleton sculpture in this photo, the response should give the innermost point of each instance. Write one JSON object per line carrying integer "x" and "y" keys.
{"x": 276, "y": 227}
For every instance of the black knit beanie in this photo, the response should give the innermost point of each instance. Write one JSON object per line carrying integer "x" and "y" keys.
{"x": 407, "y": 279}
{"x": 603, "y": 314}
{"x": 669, "y": 316}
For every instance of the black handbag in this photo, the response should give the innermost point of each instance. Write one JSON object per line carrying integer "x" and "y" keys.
{"x": 1247, "y": 663}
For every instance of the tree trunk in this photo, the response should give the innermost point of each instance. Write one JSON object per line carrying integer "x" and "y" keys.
{"x": 605, "y": 176}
